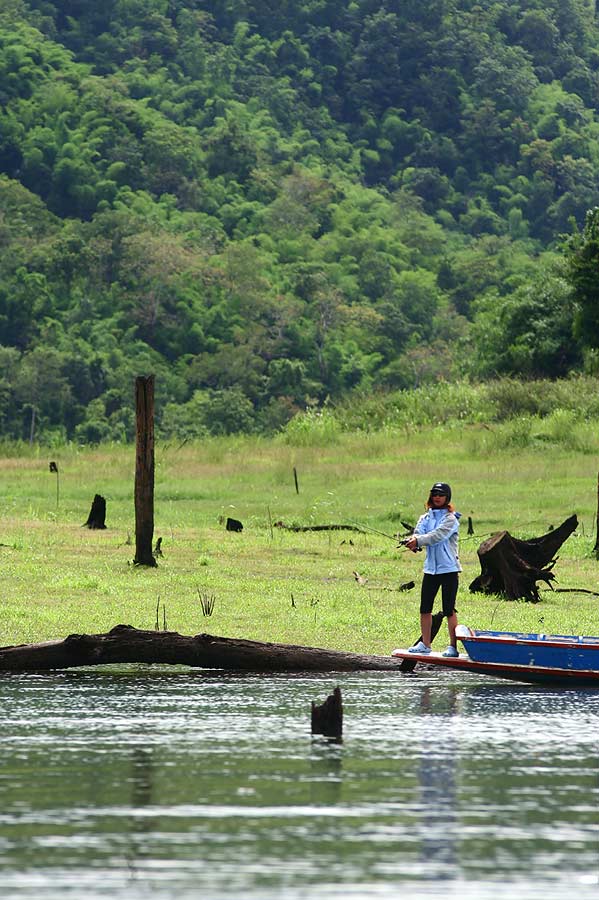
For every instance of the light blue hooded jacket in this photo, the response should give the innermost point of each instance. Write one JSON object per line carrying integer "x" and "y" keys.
{"x": 437, "y": 531}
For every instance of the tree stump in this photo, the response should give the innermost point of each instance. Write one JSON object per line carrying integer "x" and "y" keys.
{"x": 327, "y": 719}
{"x": 234, "y": 525}
{"x": 511, "y": 568}
{"x": 97, "y": 513}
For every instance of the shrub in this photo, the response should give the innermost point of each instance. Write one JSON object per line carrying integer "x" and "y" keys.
{"x": 313, "y": 428}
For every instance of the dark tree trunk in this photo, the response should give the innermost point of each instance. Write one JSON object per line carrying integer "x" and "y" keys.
{"x": 97, "y": 513}
{"x": 124, "y": 644}
{"x": 144, "y": 471}
{"x": 511, "y": 567}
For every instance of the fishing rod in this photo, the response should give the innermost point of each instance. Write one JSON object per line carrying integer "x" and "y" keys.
{"x": 402, "y": 542}
{"x": 392, "y": 537}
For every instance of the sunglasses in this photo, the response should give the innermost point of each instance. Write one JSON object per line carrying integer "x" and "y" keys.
{"x": 438, "y": 494}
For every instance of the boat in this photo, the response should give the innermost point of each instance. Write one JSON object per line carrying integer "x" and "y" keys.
{"x": 528, "y": 657}
{"x": 563, "y": 651}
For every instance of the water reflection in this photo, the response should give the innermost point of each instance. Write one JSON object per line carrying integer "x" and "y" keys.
{"x": 326, "y": 767}
{"x": 142, "y": 776}
{"x": 129, "y": 784}
{"x": 438, "y": 785}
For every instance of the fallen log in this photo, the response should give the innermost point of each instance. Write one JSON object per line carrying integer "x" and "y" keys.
{"x": 298, "y": 528}
{"x": 125, "y": 644}
{"x": 511, "y": 567}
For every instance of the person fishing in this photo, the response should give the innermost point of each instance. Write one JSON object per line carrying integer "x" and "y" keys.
{"x": 437, "y": 531}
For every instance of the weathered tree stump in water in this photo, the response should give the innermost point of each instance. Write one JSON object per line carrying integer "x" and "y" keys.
{"x": 511, "y": 567}
{"x": 97, "y": 513}
{"x": 327, "y": 719}
{"x": 124, "y": 644}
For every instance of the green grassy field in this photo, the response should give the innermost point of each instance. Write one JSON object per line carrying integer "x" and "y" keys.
{"x": 269, "y": 583}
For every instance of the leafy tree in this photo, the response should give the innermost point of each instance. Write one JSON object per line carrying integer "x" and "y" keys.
{"x": 10, "y": 407}
{"x": 582, "y": 262}
{"x": 43, "y": 390}
{"x": 528, "y": 333}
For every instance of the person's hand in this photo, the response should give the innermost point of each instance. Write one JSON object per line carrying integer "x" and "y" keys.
{"x": 412, "y": 544}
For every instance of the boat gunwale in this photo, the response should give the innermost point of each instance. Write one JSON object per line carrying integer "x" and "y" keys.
{"x": 513, "y": 671}
{"x": 564, "y": 643}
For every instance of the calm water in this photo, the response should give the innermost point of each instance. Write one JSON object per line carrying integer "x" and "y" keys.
{"x": 153, "y": 784}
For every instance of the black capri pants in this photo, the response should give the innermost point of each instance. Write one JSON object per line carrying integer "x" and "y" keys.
{"x": 448, "y": 582}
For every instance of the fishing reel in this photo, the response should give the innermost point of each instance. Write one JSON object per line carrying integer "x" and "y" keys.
{"x": 404, "y": 543}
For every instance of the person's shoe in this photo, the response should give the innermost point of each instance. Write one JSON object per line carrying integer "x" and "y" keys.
{"x": 451, "y": 652}
{"x": 420, "y": 647}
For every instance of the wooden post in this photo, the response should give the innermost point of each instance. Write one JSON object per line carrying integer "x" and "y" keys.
{"x": 296, "y": 481}
{"x": 54, "y": 468}
{"x": 144, "y": 471}
{"x": 272, "y": 534}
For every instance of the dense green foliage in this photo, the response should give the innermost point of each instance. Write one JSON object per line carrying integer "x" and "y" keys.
{"x": 582, "y": 258}
{"x": 272, "y": 204}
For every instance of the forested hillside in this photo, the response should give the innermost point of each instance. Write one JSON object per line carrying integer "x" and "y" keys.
{"x": 272, "y": 203}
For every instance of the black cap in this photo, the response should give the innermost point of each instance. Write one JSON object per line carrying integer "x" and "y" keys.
{"x": 441, "y": 487}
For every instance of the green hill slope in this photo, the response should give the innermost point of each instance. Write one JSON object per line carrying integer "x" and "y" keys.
{"x": 271, "y": 204}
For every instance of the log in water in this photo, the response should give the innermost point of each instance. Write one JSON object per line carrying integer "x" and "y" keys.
{"x": 125, "y": 644}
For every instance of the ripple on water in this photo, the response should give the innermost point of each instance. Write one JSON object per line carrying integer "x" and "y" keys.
{"x": 133, "y": 783}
